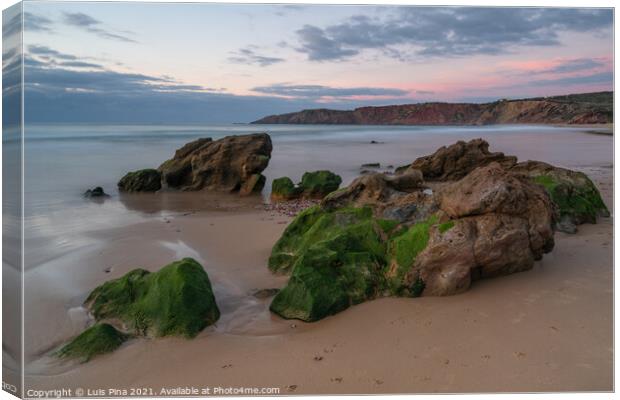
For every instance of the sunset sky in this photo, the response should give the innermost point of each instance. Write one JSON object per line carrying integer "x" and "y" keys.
{"x": 140, "y": 62}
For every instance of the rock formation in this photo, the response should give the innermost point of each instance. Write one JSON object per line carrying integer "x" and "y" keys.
{"x": 460, "y": 214}
{"x": 586, "y": 108}
{"x": 96, "y": 192}
{"x": 230, "y": 164}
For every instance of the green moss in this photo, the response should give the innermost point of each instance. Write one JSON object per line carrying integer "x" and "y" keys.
{"x": 387, "y": 225}
{"x": 176, "y": 300}
{"x": 144, "y": 180}
{"x": 319, "y": 183}
{"x": 284, "y": 188}
{"x": 581, "y": 203}
{"x": 98, "y": 339}
{"x": 446, "y": 226}
{"x": 403, "y": 249}
{"x": 338, "y": 261}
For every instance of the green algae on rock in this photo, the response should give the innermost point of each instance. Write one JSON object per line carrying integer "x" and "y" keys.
{"x": 144, "y": 180}
{"x": 336, "y": 258}
{"x": 577, "y": 199}
{"x": 99, "y": 339}
{"x": 318, "y": 184}
{"x": 284, "y": 189}
{"x": 176, "y": 300}
{"x": 403, "y": 250}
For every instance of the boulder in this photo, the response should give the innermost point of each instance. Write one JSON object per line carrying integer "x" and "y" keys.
{"x": 385, "y": 236}
{"x": 318, "y": 184}
{"x": 176, "y": 300}
{"x": 230, "y": 164}
{"x": 577, "y": 199}
{"x": 144, "y": 180}
{"x": 457, "y": 160}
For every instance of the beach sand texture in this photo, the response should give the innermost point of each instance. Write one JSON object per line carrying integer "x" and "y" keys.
{"x": 548, "y": 329}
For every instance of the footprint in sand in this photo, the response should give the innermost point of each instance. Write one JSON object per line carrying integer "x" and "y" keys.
{"x": 378, "y": 382}
{"x": 337, "y": 379}
{"x": 519, "y": 354}
{"x": 318, "y": 358}
{"x": 226, "y": 366}
{"x": 291, "y": 388}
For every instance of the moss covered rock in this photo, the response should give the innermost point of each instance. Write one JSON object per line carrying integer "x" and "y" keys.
{"x": 144, "y": 180}
{"x": 337, "y": 259}
{"x": 319, "y": 184}
{"x": 284, "y": 189}
{"x": 577, "y": 198}
{"x": 176, "y": 300}
{"x": 98, "y": 339}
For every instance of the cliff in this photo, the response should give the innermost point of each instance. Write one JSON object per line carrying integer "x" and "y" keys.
{"x": 585, "y": 108}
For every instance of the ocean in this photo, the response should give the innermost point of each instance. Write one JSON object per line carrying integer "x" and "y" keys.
{"x": 64, "y": 160}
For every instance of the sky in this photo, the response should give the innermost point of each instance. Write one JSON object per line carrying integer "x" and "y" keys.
{"x": 222, "y": 63}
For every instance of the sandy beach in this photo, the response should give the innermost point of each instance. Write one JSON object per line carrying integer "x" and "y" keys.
{"x": 548, "y": 329}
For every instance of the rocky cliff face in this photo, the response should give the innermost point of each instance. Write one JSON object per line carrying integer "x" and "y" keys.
{"x": 588, "y": 108}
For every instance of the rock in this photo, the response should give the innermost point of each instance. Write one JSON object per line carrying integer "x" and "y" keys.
{"x": 265, "y": 293}
{"x": 96, "y": 340}
{"x": 385, "y": 236}
{"x": 230, "y": 164}
{"x": 95, "y": 192}
{"x": 456, "y": 161}
{"x": 314, "y": 185}
{"x": 575, "y": 195}
{"x": 335, "y": 260}
{"x": 176, "y": 300}
{"x": 144, "y": 180}
{"x": 371, "y": 165}
{"x": 318, "y": 184}
{"x": 284, "y": 189}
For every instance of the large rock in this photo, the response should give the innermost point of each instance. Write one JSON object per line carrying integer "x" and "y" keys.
{"x": 387, "y": 236}
{"x": 144, "y": 180}
{"x": 575, "y": 195}
{"x": 230, "y": 164}
{"x": 176, "y": 300}
{"x": 455, "y": 161}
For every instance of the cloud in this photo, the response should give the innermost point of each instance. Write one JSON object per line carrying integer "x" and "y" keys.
{"x": 248, "y": 56}
{"x": 578, "y": 64}
{"x": 48, "y": 53}
{"x": 597, "y": 78}
{"x": 319, "y": 47}
{"x": 448, "y": 31}
{"x": 36, "y": 23}
{"x": 90, "y": 24}
{"x": 318, "y": 91}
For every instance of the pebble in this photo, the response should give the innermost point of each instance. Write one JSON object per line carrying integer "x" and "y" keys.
{"x": 289, "y": 208}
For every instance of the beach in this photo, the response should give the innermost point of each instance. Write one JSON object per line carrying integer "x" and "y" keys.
{"x": 547, "y": 329}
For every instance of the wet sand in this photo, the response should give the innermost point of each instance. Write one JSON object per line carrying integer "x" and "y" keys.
{"x": 548, "y": 329}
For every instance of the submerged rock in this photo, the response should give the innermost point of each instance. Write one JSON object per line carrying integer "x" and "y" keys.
{"x": 144, "y": 180}
{"x": 390, "y": 235}
{"x": 96, "y": 340}
{"x": 95, "y": 192}
{"x": 176, "y": 300}
{"x": 230, "y": 164}
{"x": 313, "y": 185}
